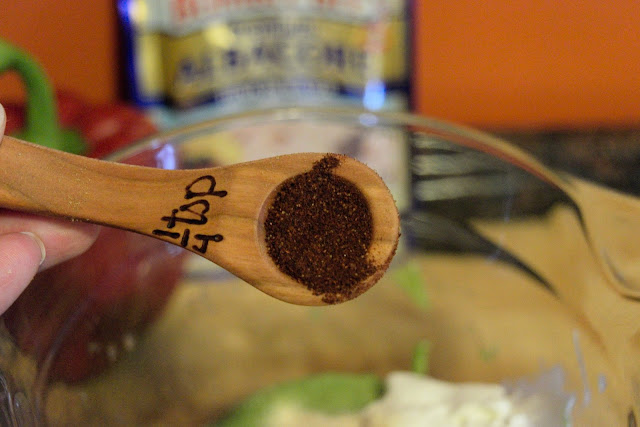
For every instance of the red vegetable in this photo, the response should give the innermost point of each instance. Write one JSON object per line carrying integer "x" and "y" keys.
{"x": 70, "y": 108}
{"x": 15, "y": 117}
{"x": 104, "y": 128}
{"x": 79, "y": 317}
{"x": 109, "y": 127}
{"x": 83, "y": 315}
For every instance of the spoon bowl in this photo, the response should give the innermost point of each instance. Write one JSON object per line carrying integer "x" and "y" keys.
{"x": 217, "y": 213}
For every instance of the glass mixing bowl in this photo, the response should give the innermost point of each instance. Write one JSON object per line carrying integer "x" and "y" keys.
{"x": 512, "y": 273}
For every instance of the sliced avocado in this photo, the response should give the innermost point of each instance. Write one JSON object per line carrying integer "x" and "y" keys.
{"x": 328, "y": 393}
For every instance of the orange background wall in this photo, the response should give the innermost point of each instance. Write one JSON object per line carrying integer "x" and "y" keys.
{"x": 75, "y": 41}
{"x": 501, "y": 63}
{"x": 528, "y": 63}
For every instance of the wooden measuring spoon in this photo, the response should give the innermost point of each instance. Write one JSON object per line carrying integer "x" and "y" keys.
{"x": 217, "y": 213}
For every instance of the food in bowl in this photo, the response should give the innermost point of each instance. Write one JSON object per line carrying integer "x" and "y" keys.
{"x": 402, "y": 399}
{"x": 495, "y": 270}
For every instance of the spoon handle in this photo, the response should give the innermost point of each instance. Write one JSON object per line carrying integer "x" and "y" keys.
{"x": 40, "y": 180}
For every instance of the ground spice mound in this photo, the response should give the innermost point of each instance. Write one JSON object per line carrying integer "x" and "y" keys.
{"x": 319, "y": 230}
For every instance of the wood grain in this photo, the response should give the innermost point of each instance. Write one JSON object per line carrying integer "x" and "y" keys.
{"x": 185, "y": 207}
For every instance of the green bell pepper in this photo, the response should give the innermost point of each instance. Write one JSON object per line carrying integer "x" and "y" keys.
{"x": 41, "y": 122}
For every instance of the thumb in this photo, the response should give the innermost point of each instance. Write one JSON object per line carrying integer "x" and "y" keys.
{"x": 20, "y": 256}
{"x": 3, "y": 121}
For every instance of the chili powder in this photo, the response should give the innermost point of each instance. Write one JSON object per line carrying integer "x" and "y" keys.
{"x": 319, "y": 229}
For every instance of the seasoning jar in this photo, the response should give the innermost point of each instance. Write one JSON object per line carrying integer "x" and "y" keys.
{"x": 189, "y": 60}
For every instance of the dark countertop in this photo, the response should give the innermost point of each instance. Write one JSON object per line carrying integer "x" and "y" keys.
{"x": 609, "y": 157}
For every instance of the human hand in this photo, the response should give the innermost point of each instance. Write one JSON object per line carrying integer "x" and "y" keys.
{"x": 29, "y": 243}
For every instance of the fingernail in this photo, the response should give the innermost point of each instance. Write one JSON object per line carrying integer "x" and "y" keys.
{"x": 43, "y": 251}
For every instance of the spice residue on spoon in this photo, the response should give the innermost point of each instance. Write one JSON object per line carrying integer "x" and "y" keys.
{"x": 319, "y": 229}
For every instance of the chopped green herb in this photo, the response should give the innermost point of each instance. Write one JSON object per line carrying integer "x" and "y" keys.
{"x": 421, "y": 353}
{"x": 409, "y": 278}
{"x": 488, "y": 353}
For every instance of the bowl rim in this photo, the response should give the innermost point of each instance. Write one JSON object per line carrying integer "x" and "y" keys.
{"x": 460, "y": 134}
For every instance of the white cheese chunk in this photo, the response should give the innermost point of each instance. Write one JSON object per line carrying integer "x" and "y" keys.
{"x": 416, "y": 400}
